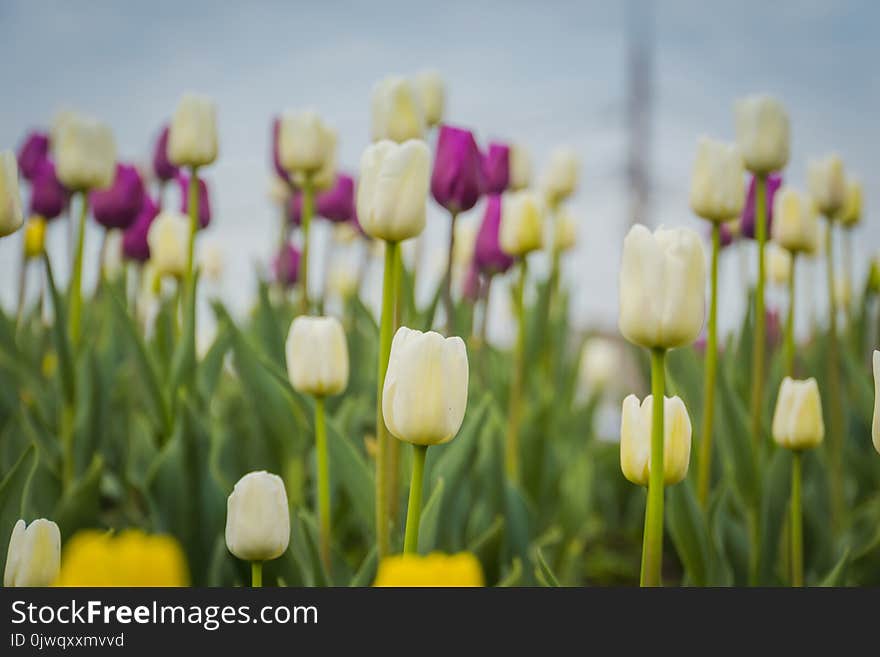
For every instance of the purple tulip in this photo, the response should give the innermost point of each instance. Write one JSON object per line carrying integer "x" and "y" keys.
{"x": 162, "y": 166}
{"x": 774, "y": 182}
{"x": 280, "y": 171}
{"x": 488, "y": 256}
{"x": 337, "y": 203}
{"x": 457, "y": 180}
{"x": 119, "y": 205}
{"x": 33, "y": 152}
{"x": 48, "y": 195}
{"x": 134, "y": 240}
{"x": 285, "y": 266}
{"x": 496, "y": 168}
{"x": 204, "y": 199}
{"x": 294, "y": 208}
{"x": 471, "y": 287}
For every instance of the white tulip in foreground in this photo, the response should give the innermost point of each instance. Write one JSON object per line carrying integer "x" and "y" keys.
{"x": 257, "y": 518}
{"x": 11, "y": 216}
{"x": 396, "y": 111}
{"x": 662, "y": 287}
{"x": 168, "y": 239}
{"x": 635, "y": 440}
{"x": 192, "y": 135}
{"x": 795, "y": 224}
{"x": 717, "y": 190}
{"x": 85, "y": 154}
{"x": 827, "y": 183}
{"x": 797, "y": 420}
{"x": 317, "y": 356}
{"x": 34, "y": 554}
{"x": 432, "y": 95}
{"x": 522, "y": 223}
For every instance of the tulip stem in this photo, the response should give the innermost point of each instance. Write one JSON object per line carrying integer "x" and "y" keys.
{"x": 797, "y": 528}
{"x": 705, "y": 463}
{"x": 414, "y": 510}
{"x": 393, "y": 457}
{"x": 386, "y": 333}
{"x": 447, "y": 279}
{"x": 323, "y": 481}
{"x": 307, "y": 210}
{"x": 652, "y": 547}
{"x": 484, "y": 320}
{"x": 22, "y": 286}
{"x": 788, "y": 351}
{"x": 76, "y": 274}
{"x": 835, "y": 442}
{"x": 512, "y": 447}
{"x": 193, "y": 205}
{"x": 759, "y": 338}
{"x": 256, "y": 574}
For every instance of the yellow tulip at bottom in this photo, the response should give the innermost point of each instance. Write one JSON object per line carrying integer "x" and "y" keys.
{"x": 435, "y": 569}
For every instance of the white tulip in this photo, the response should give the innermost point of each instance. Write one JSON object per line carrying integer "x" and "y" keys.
{"x": 795, "y": 224}
{"x": 317, "y": 356}
{"x": 11, "y": 215}
{"x": 599, "y": 364}
{"x": 85, "y": 154}
{"x": 778, "y": 263}
{"x": 827, "y": 184}
{"x": 168, "y": 239}
{"x": 192, "y": 135}
{"x": 522, "y": 223}
{"x": 432, "y": 95}
{"x": 662, "y": 287}
{"x": 34, "y": 554}
{"x": 851, "y": 213}
{"x": 564, "y": 232}
{"x": 762, "y": 132}
{"x": 561, "y": 176}
{"x": 344, "y": 282}
{"x": 392, "y": 192}
{"x": 396, "y": 111}
{"x": 797, "y": 420}
{"x": 258, "y": 518}
{"x": 211, "y": 263}
{"x": 305, "y": 143}
{"x": 717, "y": 188}
{"x": 112, "y": 262}
{"x": 635, "y": 439}
{"x": 875, "y": 427}
{"x": 425, "y": 392}
{"x": 520, "y": 167}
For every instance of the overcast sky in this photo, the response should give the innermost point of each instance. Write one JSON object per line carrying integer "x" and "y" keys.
{"x": 539, "y": 73}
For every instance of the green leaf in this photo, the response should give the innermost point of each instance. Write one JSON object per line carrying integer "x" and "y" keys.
{"x": 774, "y": 506}
{"x": 837, "y": 576}
{"x": 78, "y": 507}
{"x": 543, "y": 573}
{"x": 61, "y": 337}
{"x": 430, "y": 521}
{"x": 349, "y": 468}
{"x": 11, "y": 493}
{"x": 366, "y": 573}
{"x": 735, "y": 440}
{"x": 688, "y": 529}
{"x": 513, "y": 574}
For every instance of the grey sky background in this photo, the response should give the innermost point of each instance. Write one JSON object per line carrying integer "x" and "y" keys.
{"x": 537, "y": 73}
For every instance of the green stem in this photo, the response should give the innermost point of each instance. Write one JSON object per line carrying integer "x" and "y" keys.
{"x": 705, "y": 462}
{"x": 652, "y": 546}
{"x": 394, "y": 445}
{"x": 189, "y": 292}
{"x": 484, "y": 320}
{"x": 76, "y": 274}
{"x": 386, "y": 333}
{"x": 788, "y": 350}
{"x": 759, "y": 337}
{"x": 835, "y": 442}
{"x": 323, "y": 481}
{"x": 22, "y": 287}
{"x": 67, "y": 464}
{"x": 511, "y": 454}
{"x": 797, "y": 528}
{"x": 307, "y": 210}
{"x": 447, "y": 280}
{"x": 414, "y": 510}
{"x": 256, "y": 574}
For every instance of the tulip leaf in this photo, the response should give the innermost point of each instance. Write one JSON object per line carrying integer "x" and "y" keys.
{"x": 688, "y": 529}
{"x": 513, "y": 575}
{"x": 486, "y": 538}
{"x": 349, "y": 468}
{"x": 268, "y": 329}
{"x": 61, "y": 337}
{"x": 837, "y": 575}
{"x": 366, "y": 572}
{"x": 430, "y": 521}
{"x": 12, "y": 495}
{"x": 78, "y": 507}
{"x": 774, "y": 505}
{"x": 735, "y": 441}
{"x": 543, "y": 573}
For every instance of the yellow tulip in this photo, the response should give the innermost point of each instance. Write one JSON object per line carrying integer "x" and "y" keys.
{"x": 435, "y": 569}
{"x": 34, "y": 237}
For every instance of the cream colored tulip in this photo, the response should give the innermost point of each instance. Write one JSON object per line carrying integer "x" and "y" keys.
{"x": 522, "y": 223}
{"x": 344, "y": 282}
{"x": 432, "y": 95}
{"x": 635, "y": 440}
{"x": 396, "y": 111}
{"x": 561, "y": 176}
{"x": 258, "y": 518}
{"x": 564, "y": 232}
{"x": 795, "y": 224}
{"x": 842, "y": 291}
{"x": 192, "y": 134}
{"x": 34, "y": 554}
{"x": 85, "y": 154}
{"x": 11, "y": 215}
{"x": 762, "y": 133}
{"x": 425, "y": 392}
{"x": 851, "y": 213}
{"x": 520, "y": 167}
{"x": 168, "y": 239}
{"x": 662, "y": 287}
{"x": 305, "y": 143}
{"x": 325, "y": 177}
{"x": 211, "y": 262}
{"x": 717, "y": 187}
{"x": 112, "y": 261}
{"x": 797, "y": 420}
{"x": 599, "y": 364}
{"x": 392, "y": 192}
{"x": 778, "y": 263}
{"x": 827, "y": 183}
{"x": 317, "y": 356}
{"x": 875, "y": 427}
{"x": 465, "y": 242}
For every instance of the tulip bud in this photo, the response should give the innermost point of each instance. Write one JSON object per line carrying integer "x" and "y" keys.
{"x": 163, "y": 169}
{"x": 396, "y": 112}
{"x": 317, "y": 356}
{"x": 851, "y": 213}
{"x": 337, "y": 203}
{"x": 211, "y": 262}
{"x": 425, "y": 392}
{"x": 560, "y": 178}
{"x": 662, "y": 287}
{"x": 522, "y": 219}
{"x": 635, "y": 440}
{"x": 118, "y": 205}
{"x": 168, "y": 239}
{"x": 599, "y": 364}
{"x": 457, "y": 180}
{"x": 875, "y": 427}
{"x": 85, "y": 154}
{"x": 489, "y": 257}
{"x": 435, "y": 569}
{"x": 285, "y": 266}
{"x": 204, "y": 199}
{"x": 111, "y": 256}
{"x": 48, "y": 195}
{"x": 33, "y": 152}
{"x": 778, "y": 262}
{"x": 496, "y": 168}
{"x": 192, "y": 135}
{"x": 344, "y": 282}
{"x": 305, "y": 142}
{"x": 134, "y": 242}
{"x": 257, "y": 517}
{"x": 34, "y": 237}
{"x": 432, "y": 96}
{"x": 34, "y": 555}
{"x": 564, "y": 233}
{"x": 717, "y": 191}
{"x": 797, "y": 420}
{"x": 796, "y": 227}
{"x": 393, "y": 189}
{"x": 762, "y": 132}
{"x": 11, "y": 216}
{"x": 520, "y": 167}
{"x": 747, "y": 223}
{"x": 827, "y": 184}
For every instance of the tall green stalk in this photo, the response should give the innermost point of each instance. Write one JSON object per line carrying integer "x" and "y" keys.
{"x": 511, "y": 454}
{"x": 308, "y": 200}
{"x": 759, "y": 336}
{"x": 76, "y": 273}
{"x": 447, "y": 279}
{"x": 323, "y": 481}
{"x": 788, "y": 348}
{"x": 256, "y": 574}
{"x": 652, "y": 546}
{"x": 394, "y": 445}
{"x": 796, "y": 523}
{"x": 835, "y": 442}
{"x": 414, "y": 509}
{"x": 704, "y": 473}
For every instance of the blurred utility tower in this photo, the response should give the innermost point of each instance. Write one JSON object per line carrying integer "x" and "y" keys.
{"x": 639, "y": 105}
